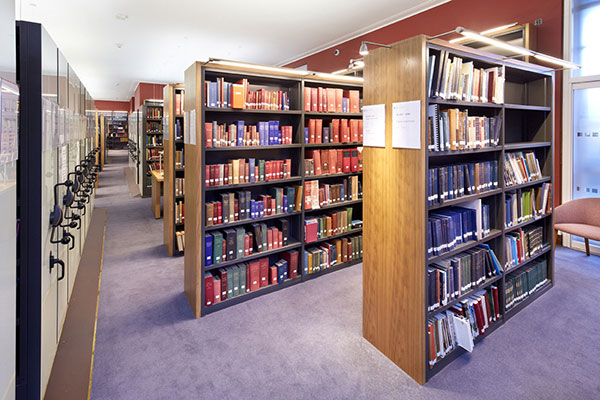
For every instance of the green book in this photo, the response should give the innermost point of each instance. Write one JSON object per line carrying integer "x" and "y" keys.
{"x": 240, "y": 234}
{"x": 217, "y": 247}
{"x": 230, "y": 280}
{"x": 263, "y": 232}
{"x": 261, "y": 170}
{"x": 349, "y": 209}
{"x": 291, "y": 197}
{"x": 242, "y": 268}
{"x": 236, "y": 280}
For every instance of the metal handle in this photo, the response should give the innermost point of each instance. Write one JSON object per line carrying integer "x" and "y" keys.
{"x": 67, "y": 234}
{"x": 59, "y": 262}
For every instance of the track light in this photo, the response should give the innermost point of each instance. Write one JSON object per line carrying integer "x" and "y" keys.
{"x": 364, "y": 50}
{"x": 493, "y": 42}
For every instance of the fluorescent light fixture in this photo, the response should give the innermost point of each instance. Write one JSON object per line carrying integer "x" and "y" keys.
{"x": 353, "y": 79}
{"x": 265, "y": 68}
{"x": 485, "y": 33}
{"x": 494, "y": 42}
{"x": 364, "y": 50}
{"x": 557, "y": 61}
{"x": 340, "y": 71}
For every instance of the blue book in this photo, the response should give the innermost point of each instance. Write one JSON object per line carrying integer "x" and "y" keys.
{"x": 285, "y": 204}
{"x": 305, "y": 135}
{"x": 282, "y": 271}
{"x": 240, "y": 133}
{"x": 212, "y": 92}
{"x": 276, "y": 133}
{"x": 261, "y": 133}
{"x": 305, "y": 272}
{"x": 208, "y": 244}
{"x": 345, "y": 104}
{"x": 251, "y": 167}
{"x": 325, "y": 135}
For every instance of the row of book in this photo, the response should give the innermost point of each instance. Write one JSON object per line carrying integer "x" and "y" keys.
{"x": 154, "y": 127}
{"x": 328, "y": 254}
{"x": 154, "y": 112}
{"x": 338, "y": 131}
{"x": 523, "y": 283}
{"x": 451, "y": 78}
{"x": 332, "y": 161}
{"x": 236, "y": 243}
{"x": 455, "y": 181}
{"x": 527, "y": 204}
{"x": 453, "y": 129}
{"x": 453, "y": 277}
{"x": 246, "y": 171}
{"x": 221, "y": 94}
{"x": 154, "y": 140}
{"x": 461, "y": 324}
{"x": 318, "y": 195}
{"x": 321, "y": 99}
{"x": 231, "y": 208}
{"x": 179, "y": 100}
{"x": 452, "y": 226}
{"x": 522, "y": 244}
{"x": 180, "y": 236}
{"x": 521, "y": 168}
{"x": 264, "y": 133}
{"x": 179, "y": 186}
{"x": 229, "y": 282}
{"x": 179, "y": 159}
{"x": 179, "y": 212}
{"x": 334, "y": 223}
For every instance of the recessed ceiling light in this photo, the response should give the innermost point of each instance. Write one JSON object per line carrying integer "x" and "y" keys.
{"x": 32, "y": 5}
{"x": 121, "y": 17}
{"x": 119, "y": 45}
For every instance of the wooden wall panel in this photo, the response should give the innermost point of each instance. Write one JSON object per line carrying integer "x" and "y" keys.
{"x": 394, "y": 214}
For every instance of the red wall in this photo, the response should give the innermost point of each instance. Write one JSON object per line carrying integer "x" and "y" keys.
{"x": 109, "y": 105}
{"x": 477, "y": 15}
{"x": 145, "y": 91}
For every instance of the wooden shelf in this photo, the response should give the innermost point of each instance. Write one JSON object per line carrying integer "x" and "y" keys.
{"x": 331, "y": 269}
{"x": 526, "y": 145}
{"x": 333, "y": 237}
{"x": 251, "y": 221}
{"x": 291, "y": 246}
{"x": 463, "y": 199}
{"x": 527, "y": 108}
{"x": 326, "y": 176}
{"x": 260, "y": 183}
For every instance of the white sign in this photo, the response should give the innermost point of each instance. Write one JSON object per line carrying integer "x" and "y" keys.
{"x": 406, "y": 125}
{"x": 193, "y": 127}
{"x": 64, "y": 163}
{"x": 374, "y": 125}
{"x": 186, "y": 130}
{"x": 166, "y": 127}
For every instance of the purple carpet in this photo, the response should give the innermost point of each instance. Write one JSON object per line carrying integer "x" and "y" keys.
{"x": 305, "y": 342}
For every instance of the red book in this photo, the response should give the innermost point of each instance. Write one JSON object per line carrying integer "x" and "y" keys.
{"x": 250, "y": 241}
{"x": 354, "y": 101}
{"x": 339, "y": 95}
{"x": 332, "y": 155}
{"x": 320, "y": 99}
{"x": 479, "y": 316}
{"x": 226, "y": 174}
{"x": 264, "y": 270}
{"x": 360, "y": 130}
{"x": 360, "y": 158}
{"x": 310, "y": 230}
{"x": 431, "y": 338}
{"x": 216, "y": 289}
{"x": 207, "y": 171}
{"x": 256, "y": 177}
{"x": 270, "y": 239}
{"x": 340, "y": 158}
{"x": 273, "y": 206}
{"x": 288, "y": 168}
{"x": 318, "y": 131}
{"x": 317, "y": 162}
{"x": 307, "y": 196}
{"x": 335, "y": 127}
{"x": 331, "y": 101}
{"x": 292, "y": 259}
{"x": 254, "y": 276}
{"x": 344, "y": 131}
{"x": 219, "y": 213}
{"x": 209, "y": 296}
{"x": 312, "y": 126}
{"x": 177, "y": 103}
{"x": 246, "y": 245}
{"x": 488, "y": 310}
{"x": 223, "y": 277}
{"x": 306, "y": 99}
{"x": 354, "y": 160}
{"x": 314, "y": 99}
{"x": 208, "y": 131}
{"x": 346, "y": 161}
{"x": 354, "y": 130}
{"x": 280, "y": 238}
{"x": 273, "y": 275}
{"x": 247, "y": 277}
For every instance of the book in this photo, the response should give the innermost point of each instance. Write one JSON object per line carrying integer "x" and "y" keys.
{"x": 330, "y": 254}
{"x": 237, "y": 171}
{"x": 222, "y": 94}
{"x": 521, "y": 168}
{"x": 524, "y": 282}
{"x": 455, "y": 181}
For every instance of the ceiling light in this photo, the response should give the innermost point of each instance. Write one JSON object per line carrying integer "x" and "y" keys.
{"x": 121, "y": 17}
{"x": 119, "y": 45}
{"x": 364, "y": 49}
{"x": 557, "y": 61}
{"x": 494, "y": 42}
{"x": 265, "y": 68}
{"x": 498, "y": 29}
{"x": 353, "y": 79}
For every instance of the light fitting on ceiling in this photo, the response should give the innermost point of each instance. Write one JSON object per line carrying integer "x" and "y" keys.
{"x": 364, "y": 50}
{"x": 121, "y": 17}
{"x": 119, "y": 45}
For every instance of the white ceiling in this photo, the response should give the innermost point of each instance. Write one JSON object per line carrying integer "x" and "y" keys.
{"x": 160, "y": 39}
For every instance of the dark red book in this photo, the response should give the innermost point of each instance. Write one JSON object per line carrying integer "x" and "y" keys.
{"x": 246, "y": 245}
{"x": 306, "y": 99}
{"x": 209, "y": 296}
{"x": 273, "y": 275}
{"x": 339, "y": 95}
{"x": 219, "y": 213}
{"x": 207, "y": 175}
{"x": 208, "y": 128}
{"x": 254, "y": 276}
{"x": 360, "y": 130}
{"x": 354, "y": 130}
{"x": 314, "y": 99}
{"x": 354, "y": 160}
{"x": 479, "y": 316}
{"x": 292, "y": 259}
{"x": 264, "y": 271}
{"x": 320, "y": 97}
{"x": 280, "y": 238}
{"x": 223, "y": 277}
{"x": 496, "y": 304}
{"x": 216, "y": 289}
{"x": 250, "y": 241}
{"x": 224, "y": 250}
{"x": 270, "y": 239}
{"x": 335, "y": 130}
{"x": 340, "y": 161}
{"x": 346, "y": 161}
{"x": 319, "y": 131}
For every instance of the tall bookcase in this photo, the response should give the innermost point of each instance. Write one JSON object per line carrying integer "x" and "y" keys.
{"x": 151, "y": 141}
{"x": 197, "y": 156}
{"x": 116, "y": 133}
{"x": 396, "y": 208}
{"x": 173, "y": 123}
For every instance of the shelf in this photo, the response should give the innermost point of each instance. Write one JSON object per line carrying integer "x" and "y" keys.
{"x": 254, "y": 256}
{"x": 526, "y": 145}
{"x": 459, "y": 103}
{"x": 250, "y": 111}
{"x": 335, "y": 205}
{"x": 466, "y": 246}
{"x": 447, "y": 153}
{"x": 334, "y": 268}
{"x": 526, "y": 301}
{"x": 331, "y": 114}
{"x": 246, "y": 148}
{"x": 179, "y": 197}
{"x": 470, "y": 293}
{"x": 463, "y": 199}
{"x": 512, "y": 268}
{"x": 317, "y": 145}
{"x": 333, "y": 237}
{"x": 526, "y": 107}
{"x": 522, "y": 185}
{"x": 313, "y": 177}
{"x": 250, "y": 221}
{"x": 525, "y": 223}
{"x": 247, "y": 296}
{"x": 179, "y": 169}
{"x": 260, "y": 183}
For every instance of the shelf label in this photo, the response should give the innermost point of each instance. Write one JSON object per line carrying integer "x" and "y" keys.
{"x": 193, "y": 127}
{"x": 374, "y": 125}
{"x": 406, "y": 125}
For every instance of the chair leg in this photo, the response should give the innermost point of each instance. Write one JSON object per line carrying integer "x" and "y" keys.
{"x": 555, "y": 237}
{"x": 587, "y": 246}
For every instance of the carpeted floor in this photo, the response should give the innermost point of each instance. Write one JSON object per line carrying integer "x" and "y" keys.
{"x": 305, "y": 342}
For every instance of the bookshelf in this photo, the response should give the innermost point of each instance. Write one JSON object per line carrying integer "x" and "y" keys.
{"x": 117, "y": 125}
{"x": 151, "y": 142}
{"x": 397, "y": 210}
{"x": 173, "y": 98}
{"x": 198, "y": 156}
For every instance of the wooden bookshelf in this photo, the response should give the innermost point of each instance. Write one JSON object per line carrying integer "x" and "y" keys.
{"x": 172, "y": 143}
{"x": 395, "y": 202}
{"x": 147, "y": 135}
{"x": 198, "y": 155}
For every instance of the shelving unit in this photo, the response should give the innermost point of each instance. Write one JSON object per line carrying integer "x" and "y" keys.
{"x": 116, "y": 129}
{"x": 396, "y": 209}
{"x": 173, "y": 123}
{"x": 151, "y": 141}
{"x": 197, "y": 156}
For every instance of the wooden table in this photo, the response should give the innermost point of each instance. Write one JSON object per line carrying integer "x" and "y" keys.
{"x": 158, "y": 177}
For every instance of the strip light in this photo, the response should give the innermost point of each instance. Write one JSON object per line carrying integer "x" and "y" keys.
{"x": 353, "y": 79}
{"x": 486, "y": 32}
{"x": 494, "y": 42}
{"x": 553, "y": 60}
{"x": 265, "y": 68}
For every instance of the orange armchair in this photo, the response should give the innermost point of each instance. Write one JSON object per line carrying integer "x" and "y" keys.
{"x": 579, "y": 217}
